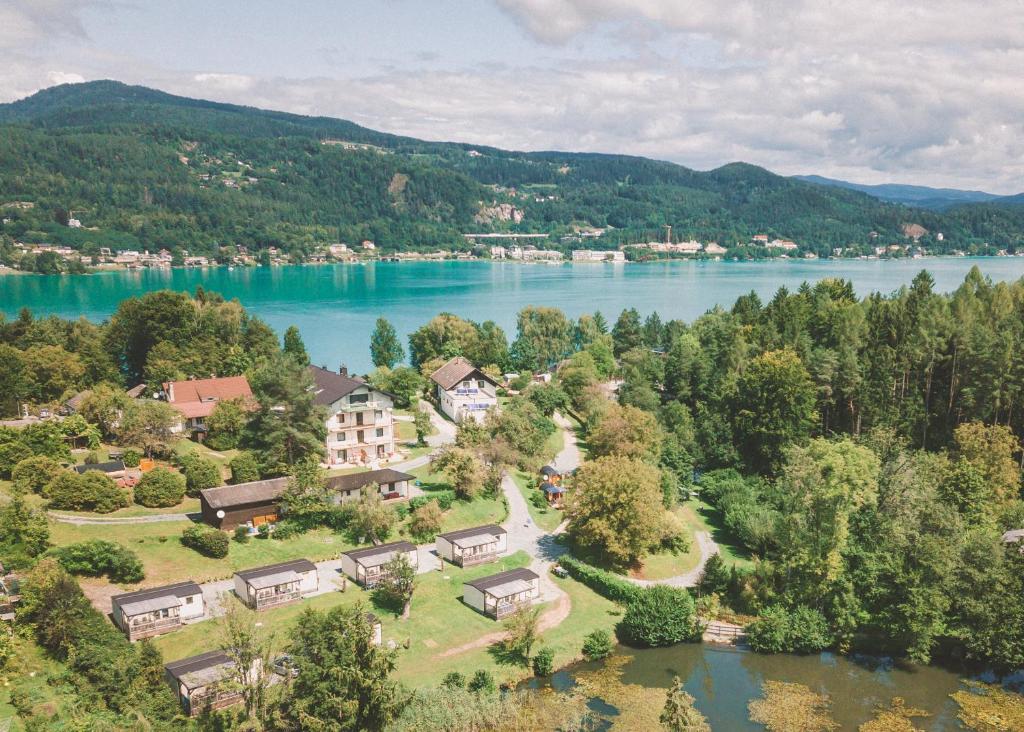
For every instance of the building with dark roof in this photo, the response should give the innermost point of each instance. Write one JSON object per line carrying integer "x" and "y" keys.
{"x": 469, "y": 547}
{"x": 360, "y": 423}
{"x": 367, "y": 566}
{"x": 500, "y": 595}
{"x": 276, "y": 584}
{"x": 463, "y": 390}
{"x": 158, "y": 610}
{"x": 203, "y": 682}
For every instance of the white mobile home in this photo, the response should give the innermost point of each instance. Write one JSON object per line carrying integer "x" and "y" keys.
{"x": 477, "y": 545}
{"x": 204, "y": 682}
{"x": 276, "y": 584}
{"x": 366, "y": 566}
{"x": 500, "y": 595}
{"x": 145, "y": 613}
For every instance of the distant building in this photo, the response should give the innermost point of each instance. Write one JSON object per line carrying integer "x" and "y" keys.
{"x": 74, "y": 223}
{"x": 783, "y": 244}
{"x": 592, "y": 255}
{"x": 368, "y": 245}
{"x": 197, "y": 398}
{"x": 761, "y": 239}
{"x": 498, "y": 252}
{"x": 714, "y": 248}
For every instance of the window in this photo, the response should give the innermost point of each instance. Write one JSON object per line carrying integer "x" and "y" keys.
{"x": 358, "y": 398}
{"x": 189, "y": 599}
{"x": 380, "y": 432}
{"x": 480, "y": 384}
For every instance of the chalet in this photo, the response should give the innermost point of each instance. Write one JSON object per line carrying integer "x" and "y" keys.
{"x": 464, "y": 391}
{"x": 205, "y": 682}
{"x": 196, "y": 399}
{"x": 360, "y": 423}
{"x": 550, "y": 474}
{"x": 366, "y": 566}
{"x": 468, "y": 547}
{"x": 259, "y": 502}
{"x": 158, "y": 610}
{"x": 554, "y": 492}
{"x": 276, "y": 584}
{"x": 500, "y": 595}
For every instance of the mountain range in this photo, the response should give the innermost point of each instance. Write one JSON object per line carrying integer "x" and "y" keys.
{"x": 140, "y": 168}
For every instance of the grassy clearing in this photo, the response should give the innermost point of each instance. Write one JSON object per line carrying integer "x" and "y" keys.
{"x": 462, "y": 514}
{"x": 221, "y": 457}
{"x": 703, "y": 517}
{"x": 188, "y": 505}
{"x": 547, "y": 518}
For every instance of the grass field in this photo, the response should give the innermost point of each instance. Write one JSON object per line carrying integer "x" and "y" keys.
{"x": 462, "y": 514}
{"x": 703, "y": 517}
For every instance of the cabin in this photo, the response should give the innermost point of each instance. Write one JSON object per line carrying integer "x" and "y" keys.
{"x": 277, "y": 584}
{"x": 366, "y": 566}
{"x": 391, "y": 484}
{"x": 464, "y": 391}
{"x": 554, "y": 492}
{"x": 499, "y": 595}
{"x": 550, "y": 474}
{"x": 245, "y": 504}
{"x": 205, "y": 682}
{"x": 159, "y": 610}
{"x": 196, "y": 399}
{"x": 468, "y": 547}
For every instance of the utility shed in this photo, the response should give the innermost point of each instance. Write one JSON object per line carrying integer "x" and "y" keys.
{"x": 477, "y": 545}
{"x": 276, "y": 584}
{"x": 366, "y": 566}
{"x": 500, "y": 595}
{"x": 254, "y": 503}
{"x": 145, "y": 613}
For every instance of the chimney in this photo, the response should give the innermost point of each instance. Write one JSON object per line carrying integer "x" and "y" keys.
{"x": 343, "y": 370}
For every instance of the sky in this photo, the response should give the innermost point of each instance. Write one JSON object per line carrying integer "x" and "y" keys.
{"x": 929, "y": 92}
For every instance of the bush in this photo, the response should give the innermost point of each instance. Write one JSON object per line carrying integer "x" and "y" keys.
{"x": 35, "y": 473}
{"x": 454, "y": 680}
{"x": 445, "y": 499}
{"x": 90, "y": 491}
{"x": 244, "y": 468}
{"x": 426, "y": 522}
{"x": 131, "y": 458}
{"x": 97, "y": 558}
{"x": 242, "y": 534}
{"x": 92, "y": 458}
{"x": 200, "y": 473}
{"x": 597, "y": 645}
{"x": 544, "y": 662}
{"x": 800, "y": 630}
{"x": 482, "y": 681}
{"x": 160, "y": 488}
{"x": 660, "y": 616}
{"x": 208, "y": 542}
{"x": 600, "y": 581}
{"x": 12, "y": 453}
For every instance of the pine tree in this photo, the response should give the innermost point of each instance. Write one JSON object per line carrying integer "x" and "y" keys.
{"x": 385, "y": 348}
{"x": 679, "y": 713}
{"x": 294, "y": 347}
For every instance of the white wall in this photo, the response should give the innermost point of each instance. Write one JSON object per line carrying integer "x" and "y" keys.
{"x": 310, "y": 581}
{"x": 194, "y": 610}
{"x": 473, "y": 597}
{"x": 445, "y": 549}
{"x": 241, "y": 589}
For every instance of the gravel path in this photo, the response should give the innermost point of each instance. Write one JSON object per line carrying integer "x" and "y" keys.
{"x": 115, "y": 520}
{"x": 707, "y": 547}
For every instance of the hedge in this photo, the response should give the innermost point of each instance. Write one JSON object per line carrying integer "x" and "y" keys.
{"x": 160, "y": 488}
{"x": 97, "y": 557}
{"x": 206, "y": 541}
{"x": 445, "y": 499}
{"x": 602, "y": 582}
{"x": 90, "y": 491}
{"x": 34, "y": 473}
{"x": 779, "y": 630}
{"x": 660, "y": 616}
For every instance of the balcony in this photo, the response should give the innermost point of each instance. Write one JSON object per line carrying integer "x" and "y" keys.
{"x": 470, "y": 560}
{"x": 212, "y": 700}
{"x": 280, "y": 598}
{"x": 504, "y": 609}
{"x": 154, "y": 627}
{"x": 364, "y": 407}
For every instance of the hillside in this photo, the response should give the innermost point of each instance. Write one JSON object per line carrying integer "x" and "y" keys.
{"x": 144, "y": 169}
{"x": 936, "y": 199}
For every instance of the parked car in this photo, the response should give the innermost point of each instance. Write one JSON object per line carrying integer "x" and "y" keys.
{"x": 285, "y": 666}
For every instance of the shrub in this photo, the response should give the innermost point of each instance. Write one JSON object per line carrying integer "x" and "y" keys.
{"x": 242, "y": 534}
{"x": 244, "y": 468}
{"x": 208, "y": 542}
{"x": 92, "y": 458}
{"x": 131, "y": 458}
{"x": 482, "y": 681}
{"x": 426, "y": 521}
{"x": 778, "y": 630}
{"x": 286, "y": 530}
{"x": 600, "y": 581}
{"x": 34, "y": 473}
{"x": 90, "y": 491}
{"x": 263, "y": 531}
{"x": 97, "y": 557}
{"x": 544, "y": 662}
{"x": 454, "y": 680}
{"x": 160, "y": 488}
{"x": 12, "y": 453}
{"x": 660, "y": 616}
{"x": 597, "y": 645}
{"x": 200, "y": 473}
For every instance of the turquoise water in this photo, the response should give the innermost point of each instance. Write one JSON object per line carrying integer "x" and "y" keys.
{"x": 335, "y": 306}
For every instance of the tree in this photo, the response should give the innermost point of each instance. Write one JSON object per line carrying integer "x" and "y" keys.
{"x": 463, "y": 469}
{"x": 628, "y": 332}
{"x": 159, "y": 488}
{"x": 226, "y": 424}
{"x": 398, "y": 583}
{"x": 660, "y": 616}
{"x": 52, "y": 372}
{"x": 626, "y": 432}
{"x": 445, "y": 336}
{"x": 779, "y": 630}
{"x": 404, "y": 383}
{"x": 200, "y": 473}
{"x": 966, "y": 489}
{"x": 385, "y": 348}
{"x": 149, "y": 425}
{"x": 24, "y": 532}
{"x": 544, "y": 333}
{"x": 774, "y": 408}
{"x": 13, "y": 454}
{"x": 288, "y": 425}
{"x": 344, "y": 682}
{"x": 597, "y": 645}
{"x": 13, "y": 380}
{"x": 33, "y": 474}
{"x": 307, "y": 490}
{"x": 679, "y": 713}
{"x": 294, "y": 347}
{"x": 423, "y": 426}
{"x": 544, "y": 662}
{"x": 548, "y": 398}
{"x": 426, "y": 521}
{"x": 371, "y": 517}
{"x": 614, "y": 509}
{"x": 522, "y": 631}
{"x": 244, "y": 468}
{"x": 97, "y": 557}
{"x": 90, "y": 491}
{"x": 103, "y": 406}
{"x": 990, "y": 450}
{"x": 250, "y": 647}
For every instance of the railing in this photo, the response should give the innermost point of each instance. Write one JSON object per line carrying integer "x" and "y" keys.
{"x": 724, "y": 630}
{"x": 154, "y": 625}
{"x": 363, "y": 407}
{"x": 212, "y": 700}
{"x": 468, "y": 560}
{"x": 276, "y": 599}
{"x": 504, "y": 609}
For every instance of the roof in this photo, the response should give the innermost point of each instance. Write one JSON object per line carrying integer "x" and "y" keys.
{"x": 551, "y": 488}
{"x": 196, "y": 671}
{"x": 492, "y": 529}
{"x": 257, "y": 491}
{"x": 376, "y": 555}
{"x": 294, "y": 565}
{"x": 384, "y": 476}
{"x": 76, "y": 401}
{"x": 549, "y": 471}
{"x": 495, "y": 582}
{"x": 155, "y": 598}
{"x": 198, "y": 397}
{"x": 284, "y": 577}
{"x": 136, "y": 391}
{"x": 330, "y": 386}
{"x": 113, "y": 466}
{"x": 1013, "y": 535}
{"x": 456, "y": 370}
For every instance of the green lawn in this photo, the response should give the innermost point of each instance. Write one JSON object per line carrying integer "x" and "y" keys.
{"x": 221, "y": 457}
{"x": 188, "y": 505}
{"x": 703, "y": 517}
{"x": 547, "y": 518}
{"x": 462, "y": 514}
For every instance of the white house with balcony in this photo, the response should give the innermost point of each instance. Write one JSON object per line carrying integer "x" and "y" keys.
{"x": 158, "y": 610}
{"x": 464, "y": 391}
{"x": 360, "y": 422}
{"x": 276, "y": 584}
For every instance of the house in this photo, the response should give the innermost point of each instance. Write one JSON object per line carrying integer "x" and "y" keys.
{"x": 360, "y": 425}
{"x": 550, "y": 474}
{"x": 500, "y": 595}
{"x": 205, "y": 682}
{"x": 554, "y": 492}
{"x": 464, "y": 391}
{"x": 366, "y": 566}
{"x": 197, "y": 398}
{"x": 714, "y": 248}
{"x": 158, "y": 610}
{"x": 477, "y": 545}
{"x": 276, "y": 584}
{"x": 591, "y": 255}
{"x": 259, "y": 502}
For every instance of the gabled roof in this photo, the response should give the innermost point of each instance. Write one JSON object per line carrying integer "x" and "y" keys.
{"x": 370, "y": 556}
{"x": 257, "y": 491}
{"x": 492, "y": 529}
{"x": 329, "y": 386}
{"x": 198, "y": 397}
{"x": 136, "y": 391}
{"x": 196, "y": 671}
{"x": 384, "y": 476}
{"x": 551, "y": 487}
{"x": 495, "y": 581}
{"x": 456, "y": 370}
{"x": 139, "y": 601}
{"x": 549, "y": 471}
{"x": 295, "y": 565}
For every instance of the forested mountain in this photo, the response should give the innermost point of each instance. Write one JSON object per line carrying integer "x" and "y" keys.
{"x": 937, "y": 199}
{"x": 144, "y": 169}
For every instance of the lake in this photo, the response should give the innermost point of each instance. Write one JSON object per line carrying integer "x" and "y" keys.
{"x": 723, "y": 680}
{"x": 335, "y": 306}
